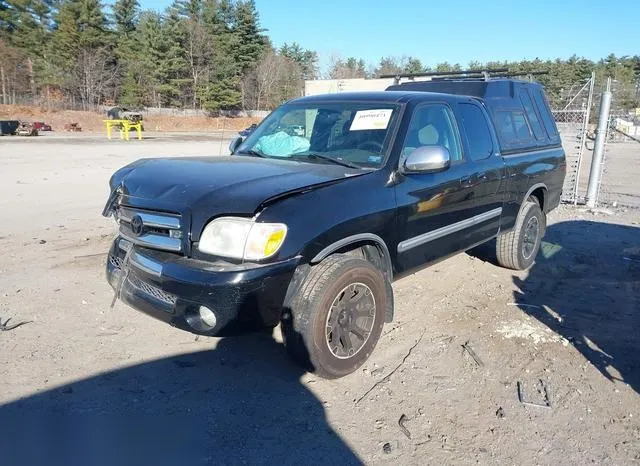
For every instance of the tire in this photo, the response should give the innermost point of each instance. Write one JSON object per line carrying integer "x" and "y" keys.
{"x": 320, "y": 322}
{"x": 517, "y": 249}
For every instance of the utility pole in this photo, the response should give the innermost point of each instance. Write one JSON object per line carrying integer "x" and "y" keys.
{"x": 598, "y": 149}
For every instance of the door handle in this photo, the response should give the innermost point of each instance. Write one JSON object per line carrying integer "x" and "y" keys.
{"x": 466, "y": 181}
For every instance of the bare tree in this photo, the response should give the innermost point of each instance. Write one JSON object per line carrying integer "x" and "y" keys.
{"x": 4, "y": 87}
{"x": 275, "y": 79}
{"x": 266, "y": 77}
{"x": 92, "y": 76}
{"x": 13, "y": 73}
{"x": 350, "y": 68}
{"x": 199, "y": 54}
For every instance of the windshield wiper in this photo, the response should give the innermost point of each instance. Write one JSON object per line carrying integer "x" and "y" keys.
{"x": 315, "y": 155}
{"x": 252, "y": 152}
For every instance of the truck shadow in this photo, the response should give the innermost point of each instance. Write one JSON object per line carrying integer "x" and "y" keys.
{"x": 585, "y": 286}
{"x": 241, "y": 403}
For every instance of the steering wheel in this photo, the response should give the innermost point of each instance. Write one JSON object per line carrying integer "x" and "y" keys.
{"x": 373, "y": 146}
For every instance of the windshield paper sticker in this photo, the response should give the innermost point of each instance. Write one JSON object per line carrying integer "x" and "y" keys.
{"x": 371, "y": 119}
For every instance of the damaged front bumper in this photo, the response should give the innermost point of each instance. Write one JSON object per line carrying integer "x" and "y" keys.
{"x": 173, "y": 288}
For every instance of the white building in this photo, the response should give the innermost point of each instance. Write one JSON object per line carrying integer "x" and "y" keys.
{"x": 330, "y": 86}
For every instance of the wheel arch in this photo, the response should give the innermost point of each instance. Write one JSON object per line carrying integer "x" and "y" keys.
{"x": 355, "y": 242}
{"x": 374, "y": 250}
{"x": 540, "y": 192}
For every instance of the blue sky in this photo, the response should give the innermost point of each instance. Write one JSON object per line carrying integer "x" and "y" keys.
{"x": 455, "y": 31}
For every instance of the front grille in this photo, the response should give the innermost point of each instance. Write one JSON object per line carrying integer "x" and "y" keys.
{"x": 153, "y": 291}
{"x": 151, "y": 229}
{"x": 116, "y": 261}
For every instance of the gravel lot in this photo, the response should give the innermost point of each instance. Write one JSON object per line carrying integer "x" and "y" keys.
{"x": 83, "y": 384}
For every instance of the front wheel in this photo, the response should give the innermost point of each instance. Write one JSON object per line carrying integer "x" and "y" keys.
{"x": 518, "y": 248}
{"x": 334, "y": 319}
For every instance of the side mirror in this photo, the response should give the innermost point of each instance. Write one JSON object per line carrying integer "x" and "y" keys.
{"x": 234, "y": 144}
{"x": 427, "y": 159}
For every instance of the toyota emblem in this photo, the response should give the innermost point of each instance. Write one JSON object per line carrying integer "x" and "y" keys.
{"x": 136, "y": 225}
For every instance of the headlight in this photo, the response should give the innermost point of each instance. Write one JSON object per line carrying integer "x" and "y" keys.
{"x": 242, "y": 238}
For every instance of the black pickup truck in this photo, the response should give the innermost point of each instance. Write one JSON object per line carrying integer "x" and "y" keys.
{"x": 326, "y": 203}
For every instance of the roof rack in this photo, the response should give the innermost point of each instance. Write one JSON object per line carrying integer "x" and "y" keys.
{"x": 464, "y": 73}
{"x": 481, "y": 74}
{"x": 484, "y": 77}
{"x": 521, "y": 73}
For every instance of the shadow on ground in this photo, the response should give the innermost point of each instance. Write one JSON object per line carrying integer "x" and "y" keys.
{"x": 241, "y": 403}
{"x": 585, "y": 286}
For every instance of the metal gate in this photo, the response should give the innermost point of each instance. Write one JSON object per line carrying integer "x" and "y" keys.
{"x": 572, "y": 122}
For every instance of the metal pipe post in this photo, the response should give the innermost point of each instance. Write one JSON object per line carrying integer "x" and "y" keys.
{"x": 583, "y": 135}
{"x": 598, "y": 149}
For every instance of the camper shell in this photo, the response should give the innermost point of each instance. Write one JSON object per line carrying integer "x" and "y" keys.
{"x": 519, "y": 109}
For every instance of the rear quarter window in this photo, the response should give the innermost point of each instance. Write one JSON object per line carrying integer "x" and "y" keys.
{"x": 545, "y": 113}
{"x": 532, "y": 115}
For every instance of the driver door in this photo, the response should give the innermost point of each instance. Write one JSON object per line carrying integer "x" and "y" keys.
{"x": 433, "y": 207}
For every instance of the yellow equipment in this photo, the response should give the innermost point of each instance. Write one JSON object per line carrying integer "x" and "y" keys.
{"x": 124, "y": 126}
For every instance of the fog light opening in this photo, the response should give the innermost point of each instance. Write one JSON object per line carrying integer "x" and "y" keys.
{"x": 207, "y": 316}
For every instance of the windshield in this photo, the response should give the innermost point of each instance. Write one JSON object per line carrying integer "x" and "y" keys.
{"x": 347, "y": 133}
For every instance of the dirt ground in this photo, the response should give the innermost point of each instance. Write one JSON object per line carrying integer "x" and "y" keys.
{"x": 83, "y": 384}
{"x": 91, "y": 122}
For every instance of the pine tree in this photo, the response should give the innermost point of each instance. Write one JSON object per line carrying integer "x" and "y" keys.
{"x": 80, "y": 24}
{"x": 82, "y": 47}
{"x": 92, "y": 23}
{"x": 307, "y": 60}
{"x": 413, "y": 66}
{"x": 446, "y": 66}
{"x": 221, "y": 89}
{"x": 125, "y": 14}
{"x": 7, "y": 24}
{"x": 152, "y": 47}
{"x": 388, "y": 66}
{"x": 25, "y": 25}
{"x": 173, "y": 72}
{"x": 251, "y": 42}
{"x": 66, "y": 36}
{"x": 347, "y": 69}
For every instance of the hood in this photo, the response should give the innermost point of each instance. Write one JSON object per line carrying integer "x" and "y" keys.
{"x": 205, "y": 187}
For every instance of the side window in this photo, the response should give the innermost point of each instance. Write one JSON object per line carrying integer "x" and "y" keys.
{"x": 521, "y": 126}
{"x": 547, "y": 118}
{"x": 532, "y": 115}
{"x": 432, "y": 125}
{"x": 477, "y": 131}
{"x": 512, "y": 126}
{"x": 504, "y": 125}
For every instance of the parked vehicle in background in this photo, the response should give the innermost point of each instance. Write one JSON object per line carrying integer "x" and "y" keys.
{"x": 42, "y": 126}
{"x": 308, "y": 228}
{"x": 27, "y": 129}
{"x": 124, "y": 113}
{"x": 72, "y": 127}
{"x": 8, "y": 127}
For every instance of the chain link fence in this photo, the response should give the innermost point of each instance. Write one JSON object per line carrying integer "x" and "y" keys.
{"x": 573, "y": 121}
{"x": 620, "y": 186}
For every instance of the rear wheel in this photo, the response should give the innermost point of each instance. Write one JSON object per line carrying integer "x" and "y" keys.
{"x": 518, "y": 248}
{"x": 334, "y": 319}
